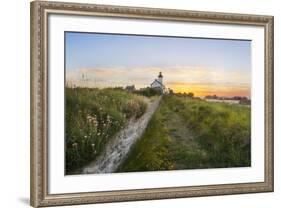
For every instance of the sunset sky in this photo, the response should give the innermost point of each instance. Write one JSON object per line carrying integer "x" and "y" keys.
{"x": 201, "y": 66}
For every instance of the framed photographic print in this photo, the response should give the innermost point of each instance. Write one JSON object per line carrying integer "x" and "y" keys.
{"x": 144, "y": 103}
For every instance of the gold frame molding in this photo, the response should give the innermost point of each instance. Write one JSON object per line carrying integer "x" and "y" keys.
{"x": 39, "y": 103}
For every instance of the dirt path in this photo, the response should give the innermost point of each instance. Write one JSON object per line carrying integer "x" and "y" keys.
{"x": 183, "y": 143}
{"x": 167, "y": 144}
{"x": 117, "y": 149}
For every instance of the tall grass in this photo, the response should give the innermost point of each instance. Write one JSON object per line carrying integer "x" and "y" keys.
{"x": 187, "y": 133}
{"x": 93, "y": 117}
{"x": 222, "y": 130}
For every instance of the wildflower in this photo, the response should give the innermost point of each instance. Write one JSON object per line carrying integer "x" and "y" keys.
{"x": 108, "y": 118}
{"x": 92, "y": 119}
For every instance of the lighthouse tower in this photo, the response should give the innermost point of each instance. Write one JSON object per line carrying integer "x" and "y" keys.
{"x": 157, "y": 84}
{"x": 160, "y": 78}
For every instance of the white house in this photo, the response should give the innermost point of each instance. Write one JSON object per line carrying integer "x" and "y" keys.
{"x": 157, "y": 84}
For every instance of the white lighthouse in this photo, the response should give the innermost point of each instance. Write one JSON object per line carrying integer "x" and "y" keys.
{"x": 157, "y": 84}
{"x": 160, "y": 78}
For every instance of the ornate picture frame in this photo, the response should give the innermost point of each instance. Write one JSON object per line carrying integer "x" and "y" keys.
{"x": 40, "y": 83}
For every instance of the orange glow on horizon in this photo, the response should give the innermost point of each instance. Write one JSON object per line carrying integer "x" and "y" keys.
{"x": 204, "y": 90}
{"x": 198, "y": 80}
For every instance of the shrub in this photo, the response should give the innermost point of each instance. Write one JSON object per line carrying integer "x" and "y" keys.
{"x": 148, "y": 92}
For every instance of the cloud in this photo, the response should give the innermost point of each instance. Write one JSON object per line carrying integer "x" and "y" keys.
{"x": 200, "y": 80}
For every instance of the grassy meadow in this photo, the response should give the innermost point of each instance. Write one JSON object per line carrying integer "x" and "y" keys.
{"x": 93, "y": 117}
{"x": 183, "y": 133}
{"x": 187, "y": 133}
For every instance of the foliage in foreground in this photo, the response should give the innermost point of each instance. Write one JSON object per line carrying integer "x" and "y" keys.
{"x": 187, "y": 133}
{"x": 148, "y": 92}
{"x": 92, "y": 117}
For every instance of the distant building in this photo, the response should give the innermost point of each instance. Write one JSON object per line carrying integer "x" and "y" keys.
{"x": 230, "y": 100}
{"x": 223, "y": 101}
{"x": 157, "y": 84}
{"x": 245, "y": 102}
{"x": 130, "y": 88}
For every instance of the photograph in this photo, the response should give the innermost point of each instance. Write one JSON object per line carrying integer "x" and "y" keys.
{"x": 137, "y": 103}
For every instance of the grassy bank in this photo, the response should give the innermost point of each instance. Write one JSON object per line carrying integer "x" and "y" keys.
{"x": 93, "y": 117}
{"x": 188, "y": 134}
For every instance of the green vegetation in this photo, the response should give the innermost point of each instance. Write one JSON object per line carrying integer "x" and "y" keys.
{"x": 92, "y": 117}
{"x": 187, "y": 133}
{"x": 184, "y": 132}
{"x": 148, "y": 92}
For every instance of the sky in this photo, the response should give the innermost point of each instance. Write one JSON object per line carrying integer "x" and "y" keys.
{"x": 202, "y": 66}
